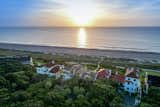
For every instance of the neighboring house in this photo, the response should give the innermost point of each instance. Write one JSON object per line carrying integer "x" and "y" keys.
{"x": 78, "y": 70}
{"x": 132, "y": 82}
{"x": 26, "y": 60}
{"x": 45, "y": 69}
{"x": 58, "y": 71}
{"x": 86, "y": 75}
{"x": 103, "y": 73}
{"x": 81, "y": 71}
{"x": 49, "y": 70}
{"x": 66, "y": 74}
{"x": 23, "y": 59}
{"x": 118, "y": 78}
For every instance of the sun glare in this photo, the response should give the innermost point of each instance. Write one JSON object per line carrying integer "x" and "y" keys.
{"x": 82, "y": 38}
{"x": 82, "y": 14}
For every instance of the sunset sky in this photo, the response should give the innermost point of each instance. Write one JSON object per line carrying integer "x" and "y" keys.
{"x": 79, "y": 12}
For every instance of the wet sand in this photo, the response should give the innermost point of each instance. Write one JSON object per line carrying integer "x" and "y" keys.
{"x": 141, "y": 56}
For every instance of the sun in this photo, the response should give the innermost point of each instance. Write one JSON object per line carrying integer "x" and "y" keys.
{"x": 82, "y": 17}
{"x": 82, "y": 13}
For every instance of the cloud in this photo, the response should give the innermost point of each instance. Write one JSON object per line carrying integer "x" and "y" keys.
{"x": 130, "y": 5}
{"x": 24, "y": 12}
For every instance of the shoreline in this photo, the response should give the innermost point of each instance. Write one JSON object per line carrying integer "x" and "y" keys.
{"x": 140, "y": 56}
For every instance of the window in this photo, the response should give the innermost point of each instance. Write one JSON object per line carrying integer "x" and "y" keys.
{"x": 134, "y": 80}
{"x": 128, "y": 78}
{"x": 128, "y": 83}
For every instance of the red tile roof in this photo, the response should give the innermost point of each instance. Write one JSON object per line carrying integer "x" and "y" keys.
{"x": 133, "y": 75}
{"x": 119, "y": 78}
{"x": 55, "y": 69}
{"x": 102, "y": 73}
{"x": 132, "y": 72}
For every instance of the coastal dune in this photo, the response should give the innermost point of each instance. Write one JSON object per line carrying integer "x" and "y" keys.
{"x": 141, "y": 56}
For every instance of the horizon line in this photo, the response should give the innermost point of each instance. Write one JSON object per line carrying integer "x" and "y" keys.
{"x": 72, "y": 26}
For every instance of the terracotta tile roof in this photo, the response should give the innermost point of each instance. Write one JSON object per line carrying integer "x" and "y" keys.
{"x": 103, "y": 73}
{"x": 132, "y": 72}
{"x": 55, "y": 69}
{"x": 119, "y": 78}
{"x": 133, "y": 75}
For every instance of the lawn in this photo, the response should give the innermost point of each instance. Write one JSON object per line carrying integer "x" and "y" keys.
{"x": 150, "y": 73}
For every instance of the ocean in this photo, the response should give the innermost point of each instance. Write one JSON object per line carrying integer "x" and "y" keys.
{"x": 146, "y": 39}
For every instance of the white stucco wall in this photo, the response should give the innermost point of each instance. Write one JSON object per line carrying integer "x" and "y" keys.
{"x": 45, "y": 70}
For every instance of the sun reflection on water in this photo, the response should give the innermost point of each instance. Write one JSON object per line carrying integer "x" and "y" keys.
{"x": 82, "y": 38}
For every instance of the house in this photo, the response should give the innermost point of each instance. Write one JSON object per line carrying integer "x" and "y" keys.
{"x": 118, "y": 78}
{"x": 132, "y": 82}
{"x": 27, "y": 60}
{"x": 45, "y": 69}
{"x": 81, "y": 71}
{"x": 66, "y": 74}
{"x": 103, "y": 73}
{"x": 50, "y": 70}
{"x": 78, "y": 70}
{"x": 86, "y": 75}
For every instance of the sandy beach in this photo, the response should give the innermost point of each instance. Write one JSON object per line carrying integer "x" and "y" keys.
{"x": 141, "y": 56}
